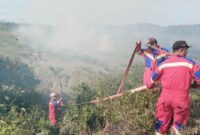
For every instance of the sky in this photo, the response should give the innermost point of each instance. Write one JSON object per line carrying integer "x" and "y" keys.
{"x": 112, "y": 12}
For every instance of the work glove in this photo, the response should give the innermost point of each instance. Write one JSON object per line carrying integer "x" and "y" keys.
{"x": 138, "y": 45}
{"x": 60, "y": 101}
{"x": 150, "y": 85}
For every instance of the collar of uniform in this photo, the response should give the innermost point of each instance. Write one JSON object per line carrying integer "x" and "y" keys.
{"x": 177, "y": 55}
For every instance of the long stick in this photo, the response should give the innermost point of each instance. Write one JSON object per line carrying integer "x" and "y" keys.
{"x": 120, "y": 94}
{"x": 121, "y": 87}
{"x": 110, "y": 97}
{"x": 155, "y": 48}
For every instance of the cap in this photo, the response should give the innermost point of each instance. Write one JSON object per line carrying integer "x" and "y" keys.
{"x": 152, "y": 41}
{"x": 53, "y": 94}
{"x": 180, "y": 44}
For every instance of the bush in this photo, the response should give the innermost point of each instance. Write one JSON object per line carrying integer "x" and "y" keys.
{"x": 20, "y": 121}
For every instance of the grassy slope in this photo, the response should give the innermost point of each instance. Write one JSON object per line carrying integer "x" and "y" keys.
{"x": 124, "y": 117}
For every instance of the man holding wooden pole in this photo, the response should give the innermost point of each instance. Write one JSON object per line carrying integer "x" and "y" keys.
{"x": 153, "y": 56}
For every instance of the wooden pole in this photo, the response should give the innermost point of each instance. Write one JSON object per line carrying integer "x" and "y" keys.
{"x": 155, "y": 48}
{"x": 121, "y": 87}
{"x": 119, "y": 94}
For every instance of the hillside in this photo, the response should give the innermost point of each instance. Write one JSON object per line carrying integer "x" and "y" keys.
{"x": 80, "y": 66}
{"x": 124, "y": 36}
{"x": 70, "y": 62}
{"x": 111, "y": 44}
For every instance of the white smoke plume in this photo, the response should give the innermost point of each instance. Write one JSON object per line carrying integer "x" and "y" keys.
{"x": 68, "y": 33}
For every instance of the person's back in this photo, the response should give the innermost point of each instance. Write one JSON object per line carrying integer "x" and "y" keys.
{"x": 53, "y": 105}
{"x": 176, "y": 74}
{"x": 52, "y": 111}
{"x": 177, "y": 69}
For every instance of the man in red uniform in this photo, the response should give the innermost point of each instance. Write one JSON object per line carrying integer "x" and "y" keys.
{"x": 176, "y": 74}
{"x": 53, "y": 105}
{"x": 152, "y": 58}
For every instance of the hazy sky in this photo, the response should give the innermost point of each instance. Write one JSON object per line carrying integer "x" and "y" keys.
{"x": 162, "y": 12}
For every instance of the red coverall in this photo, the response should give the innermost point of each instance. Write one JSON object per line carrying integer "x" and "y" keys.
{"x": 153, "y": 58}
{"x": 176, "y": 74}
{"x": 53, "y": 104}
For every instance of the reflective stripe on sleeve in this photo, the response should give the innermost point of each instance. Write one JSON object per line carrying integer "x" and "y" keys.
{"x": 149, "y": 55}
{"x": 160, "y": 56}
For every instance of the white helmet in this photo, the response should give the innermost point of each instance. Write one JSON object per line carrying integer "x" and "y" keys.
{"x": 53, "y": 94}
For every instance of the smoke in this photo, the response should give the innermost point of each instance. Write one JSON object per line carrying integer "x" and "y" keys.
{"x": 65, "y": 32}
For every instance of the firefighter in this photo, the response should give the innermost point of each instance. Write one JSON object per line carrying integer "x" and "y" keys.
{"x": 152, "y": 58}
{"x": 54, "y": 103}
{"x": 176, "y": 74}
